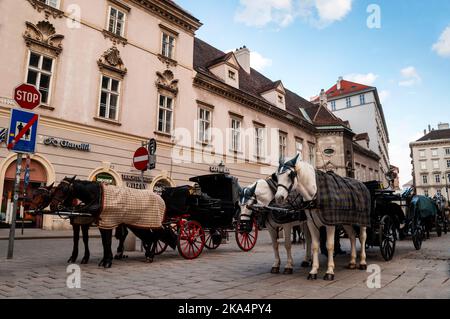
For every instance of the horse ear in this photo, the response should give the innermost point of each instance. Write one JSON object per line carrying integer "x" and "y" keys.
{"x": 49, "y": 187}
{"x": 253, "y": 189}
{"x": 73, "y": 178}
{"x": 274, "y": 177}
{"x": 293, "y": 161}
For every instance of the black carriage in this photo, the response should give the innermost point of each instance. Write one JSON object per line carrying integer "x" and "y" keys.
{"x": 203, "y": 215}
{"x": 386, "y": 216}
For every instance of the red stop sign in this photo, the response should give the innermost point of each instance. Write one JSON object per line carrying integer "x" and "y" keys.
{"x": 27, "y": 96}
{"x": 140, "y": 159}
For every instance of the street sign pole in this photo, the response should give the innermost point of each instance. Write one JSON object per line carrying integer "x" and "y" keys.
{"x": 12, "y": 229}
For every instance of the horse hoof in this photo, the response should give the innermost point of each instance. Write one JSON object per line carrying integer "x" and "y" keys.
{"x": 275, "y": 270}
{"x": 306, "y": 264}
{"x": 363, "y": 267}
{"x": 288, "y": 271}
{"x": 71, "y": 260}
{"x": 107, "y": 264}
{"x": 328, "y": 277}
{"x": 351, "y": 266}
{"x": 149, "y": 260}
{"x": 312, "y": 277}
{"x": 85, "y": 260}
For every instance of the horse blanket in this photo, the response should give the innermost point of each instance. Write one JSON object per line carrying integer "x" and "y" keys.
{"x": 138, "y": 208}
{"x": 342, "y": 200}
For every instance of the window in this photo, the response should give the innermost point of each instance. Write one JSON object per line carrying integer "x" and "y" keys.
{"x": 204, "y": 125}
{"x": 235, "y": 135}
{"x": 40, "y": 74}
{"x": 116, "y": 21}
{"x": 437, "y": 178}
{"x": 259, "y": 141}
{"x": 168, "y": 45}
{"x": 280, "y": 99}
{"x": 282, "y": 140}
{"x": 435, "y": 164}
{"x": 424, "y": 179}
{"x": 348, "y": 102}
{"x": 434, "y": 152}
{"x": 232, "y": 75}
{"x": 423, "y": 165}
{"x": 448, "y": 178}
{"x": 447, "y": 151}
{"x": 448, "y": 163}
{"x": 312, "y": 154}
{"x": 362, "y": 99}
{"x": 425, "y": 192}
{"x": 333, "y": 105}
{"x": 109, "y": 98}
{"x": 51, "y": 3}
{"x": 422, "y": 153}
{"x": 165, "y": 114}
{"x": 299, "y": 147}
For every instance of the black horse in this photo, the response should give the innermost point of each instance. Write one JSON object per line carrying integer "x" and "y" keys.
{"x": 90, "y": 194}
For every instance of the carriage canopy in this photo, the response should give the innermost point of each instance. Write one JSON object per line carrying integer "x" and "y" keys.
{"x": 423, "y": 206}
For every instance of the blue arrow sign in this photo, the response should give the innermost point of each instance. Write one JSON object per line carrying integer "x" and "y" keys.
{"x": 22, "y": 131}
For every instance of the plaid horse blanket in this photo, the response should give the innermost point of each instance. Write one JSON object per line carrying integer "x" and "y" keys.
{"x": 342, "y": 200}
{"x": 138, "y": 208}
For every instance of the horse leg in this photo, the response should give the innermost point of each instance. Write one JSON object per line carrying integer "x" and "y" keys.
{"x": 107, "y": 252}
{"x": 351, "y": 235}
{"x": 121, "y": 235}
{"x": 87, "y": 254}
{"x": 362, "y": 240}
{"x": 273, "y": 235}
{"x": 329, "y": 275}
{"x": 315, "y": 239}
{"x": 76, "y": 239}
{"x": 288, "y": 269}
{"x": 308, "y": 258}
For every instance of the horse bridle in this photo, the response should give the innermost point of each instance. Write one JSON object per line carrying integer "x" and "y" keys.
{"x": 48, "y": 193}
{"x": 292, "y": 176}
{"x": 61, "y": 200}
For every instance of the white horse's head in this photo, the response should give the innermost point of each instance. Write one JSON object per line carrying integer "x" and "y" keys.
{"x": 287, "y": 179}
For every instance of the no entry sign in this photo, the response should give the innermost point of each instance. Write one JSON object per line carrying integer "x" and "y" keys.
{"x": 140, "y": 159}
{"x": 27, "y": 96}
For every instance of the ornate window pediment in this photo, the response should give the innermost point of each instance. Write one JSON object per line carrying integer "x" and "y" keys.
{"x": 48, "y": 10}
{"x": 167, "y": 82}
{"x": 112, "y": 62}
{"x": 43, "y": 37}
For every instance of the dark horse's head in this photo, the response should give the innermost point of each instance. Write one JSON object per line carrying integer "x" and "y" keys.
{"x": 41, "y": 197}
{"x": 61, "y": 193}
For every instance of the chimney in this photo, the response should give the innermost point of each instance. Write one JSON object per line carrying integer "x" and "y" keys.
{"x": 243, "y": 57}
{"x": 323, "y": 98}
{"x": 424, "y": 132}
{"x": 338, "y": 85}
{"x": 429, "y": 128}
{"x": 443, "y": 126}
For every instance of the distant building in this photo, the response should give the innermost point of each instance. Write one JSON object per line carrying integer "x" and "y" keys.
{"x": 431, "y": 161}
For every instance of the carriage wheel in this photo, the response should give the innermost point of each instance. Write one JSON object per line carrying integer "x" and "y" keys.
{"x": 246, "y": 240}
{"x": 160, "y": 247}
{"x": 387, "y": 237}
{"x": 417, "y": 234}
{"x": 191, "y": 240}
{"x": 213, "y": 239}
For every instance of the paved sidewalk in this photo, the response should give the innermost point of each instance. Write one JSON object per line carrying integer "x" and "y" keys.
{"x": 32, "y": 233}
{"x": 39, "y": 270}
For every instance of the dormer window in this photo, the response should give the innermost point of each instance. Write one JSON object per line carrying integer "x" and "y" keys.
{"x": 280, "y": 99}
{"x": 232, "y": 75}
{"x": 51, "y": 3}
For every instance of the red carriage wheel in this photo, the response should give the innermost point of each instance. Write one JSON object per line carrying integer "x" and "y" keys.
{"x": 191, "y": 240}
{"x": 160, "y": 247}
{"x": 213, "y": 239}
{"x": 246, "y": 240}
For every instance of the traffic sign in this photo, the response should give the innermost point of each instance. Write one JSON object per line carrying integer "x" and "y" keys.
{"x": 152, "y": 161}
{"x": 140, "y": 159}
{"x": 152, "y": 146}
{"x": 22, "y": 131}
{"x": 27, "y": 96}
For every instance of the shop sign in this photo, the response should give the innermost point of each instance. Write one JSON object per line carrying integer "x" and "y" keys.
{"x": 134, "y": 181}
{"x": 85, "y": 147}
{"x": 219, "y": 169}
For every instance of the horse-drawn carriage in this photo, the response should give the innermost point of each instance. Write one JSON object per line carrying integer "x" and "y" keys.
{"x": 203, "y": 215}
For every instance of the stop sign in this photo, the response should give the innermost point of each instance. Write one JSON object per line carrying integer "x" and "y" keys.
{"x": 140, "y": 159}
{"x": 27, "y": 96}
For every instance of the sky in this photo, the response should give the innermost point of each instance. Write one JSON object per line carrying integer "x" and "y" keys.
{"x": 402, "y": 47}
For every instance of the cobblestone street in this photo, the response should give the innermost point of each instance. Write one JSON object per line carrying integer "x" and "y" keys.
{"x": 38, "y": 270}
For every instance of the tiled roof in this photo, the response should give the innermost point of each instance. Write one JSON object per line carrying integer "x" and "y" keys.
{"x": 347, "y": 87}
{"x": 435, "y": 135}
{"x": 256, "y": 83}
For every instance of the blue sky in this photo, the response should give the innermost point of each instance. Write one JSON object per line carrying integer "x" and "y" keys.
{"x": 309, "y": 43}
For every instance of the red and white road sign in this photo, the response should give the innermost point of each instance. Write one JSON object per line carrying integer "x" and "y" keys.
{"x": 140, "y": 159}
{"x": 27, "y": 96}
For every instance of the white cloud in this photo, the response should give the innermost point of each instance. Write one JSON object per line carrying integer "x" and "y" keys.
{"x": 367, "y": 79}
{"x": 410, "y": 77}
{"x": 442, "y": 47}
{"x": 258, "y": 62}
{"x": 319, "y": 13}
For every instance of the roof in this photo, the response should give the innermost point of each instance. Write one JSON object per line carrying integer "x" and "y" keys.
{"x": 362, "y": 150}
{"x": 184, "y": 11}
{"x": 362, "y": 136}
{"x": 347, "y": 88}
{"x": 435, "y": 135}
{"x": 254, "y": 83}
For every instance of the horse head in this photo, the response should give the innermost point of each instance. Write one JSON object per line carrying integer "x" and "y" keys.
{"x": 41, "y": 197}
{"x": 286, "y": 177}
{"x": 61, "y": 193}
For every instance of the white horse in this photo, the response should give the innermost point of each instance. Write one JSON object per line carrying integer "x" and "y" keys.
{"x": 261, "y": 193}
{"x": 296, "y": 174}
